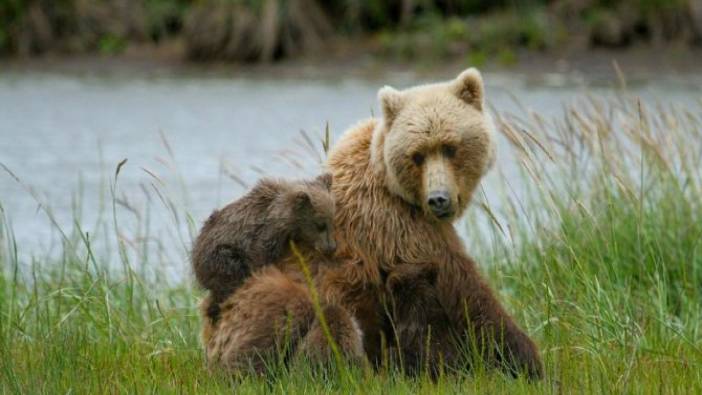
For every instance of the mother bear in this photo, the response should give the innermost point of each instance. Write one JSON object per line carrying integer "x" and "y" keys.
{"x": 405, "y": 278}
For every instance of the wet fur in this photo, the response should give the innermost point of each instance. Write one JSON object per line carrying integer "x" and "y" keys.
{"x": 270, "y": 319}
{"x": 259, "y": 312}
{"x": 255, "y": 231}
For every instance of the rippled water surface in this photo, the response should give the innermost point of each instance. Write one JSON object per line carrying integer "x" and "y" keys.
{"x": 192, "y": 141}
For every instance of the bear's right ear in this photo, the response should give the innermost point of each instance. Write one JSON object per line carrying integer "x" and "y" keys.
{"x": 391, "y": 101}
{"x": 301, "y": 199}
{"x": 325, "y": 180}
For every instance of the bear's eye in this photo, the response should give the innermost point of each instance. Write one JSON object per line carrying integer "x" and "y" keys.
{"x": 448, "y": 150}
{"x": 418, "y": 158}
{"x": 321, "y": 227}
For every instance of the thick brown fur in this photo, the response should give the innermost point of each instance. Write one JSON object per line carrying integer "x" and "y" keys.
{"x": 270, "y": 319}
{"x": 407, "y": 279}
{"x": 256, "y": 230}
{"x": 403, "y": 274}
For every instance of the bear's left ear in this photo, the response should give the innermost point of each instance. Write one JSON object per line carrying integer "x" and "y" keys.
{"x": 325, "y": 180}
{"x": 391, "y": 101}
{"x": 468, "y": 86}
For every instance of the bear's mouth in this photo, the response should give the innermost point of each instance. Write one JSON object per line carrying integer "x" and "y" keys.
{"x": 441, "y": 213}
{"x": 445, "y": 216}
{"x": 441, "y": 216}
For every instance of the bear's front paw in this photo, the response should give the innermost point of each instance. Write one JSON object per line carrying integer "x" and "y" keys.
{"x": 410, "y": 278}
{"x": 521, "y": 356}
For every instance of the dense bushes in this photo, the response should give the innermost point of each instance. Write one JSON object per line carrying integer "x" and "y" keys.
{"x": 35, "y": 27}
{"x": 262, "y": 30}
{"x": 254, "y": 30}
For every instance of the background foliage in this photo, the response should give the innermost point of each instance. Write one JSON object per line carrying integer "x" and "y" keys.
{"x": 264, "y": 30}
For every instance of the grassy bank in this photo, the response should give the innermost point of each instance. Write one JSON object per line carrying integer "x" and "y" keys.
{"x": 599, "y": 257}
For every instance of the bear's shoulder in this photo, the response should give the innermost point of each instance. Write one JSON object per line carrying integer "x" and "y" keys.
{"x": 354, "y": 143}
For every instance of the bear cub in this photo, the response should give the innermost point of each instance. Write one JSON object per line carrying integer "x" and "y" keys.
{"x": 256, "y": 230}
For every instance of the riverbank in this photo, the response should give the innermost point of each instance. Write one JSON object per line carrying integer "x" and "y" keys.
{"x": 357, "y": 60}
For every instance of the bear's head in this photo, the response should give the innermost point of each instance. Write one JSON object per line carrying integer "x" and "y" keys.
{"x": 312, "y": 209}
{"x": 435, "y": 143}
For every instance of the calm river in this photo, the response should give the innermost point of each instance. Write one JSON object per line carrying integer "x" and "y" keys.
{"x": 193, "y": 140}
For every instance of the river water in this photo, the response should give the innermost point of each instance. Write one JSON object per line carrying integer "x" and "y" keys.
{"x": 194, "y": 141}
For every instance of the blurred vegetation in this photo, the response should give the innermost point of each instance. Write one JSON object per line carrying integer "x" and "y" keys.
{"x": 31, "y": 27}
{"x": 264, "y": 30}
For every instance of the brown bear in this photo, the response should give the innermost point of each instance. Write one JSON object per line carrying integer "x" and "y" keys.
{"x": 399, "y": 183}
{"x": 403, "y": 273}
{"x": 256, "y": 230}
{"x": 272, "y": 318}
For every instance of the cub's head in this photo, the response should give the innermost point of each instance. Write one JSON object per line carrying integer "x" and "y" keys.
{"x": 435, "y": 143}
{"x": 312, "y": 215}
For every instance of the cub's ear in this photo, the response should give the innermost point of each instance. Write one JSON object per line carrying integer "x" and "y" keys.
{"x": 300, "y": 199}
{"x": 325, "y": 180}
{"x": 468, "y": 86}
{"x": 391, "y": 102}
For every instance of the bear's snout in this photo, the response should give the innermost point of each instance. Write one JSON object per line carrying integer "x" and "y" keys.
{"x": 439, "y": 202}
{"x": 327, "y": 247}
{"x": 330, "y": 248}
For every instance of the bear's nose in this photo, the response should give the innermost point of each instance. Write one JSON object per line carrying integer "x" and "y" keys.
{"x": 331, "y": 247}
{"x": 439, "y": 203}
{"x": 326, "y": 247}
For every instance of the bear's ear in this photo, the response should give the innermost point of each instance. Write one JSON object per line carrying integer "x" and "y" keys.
{"x": 468, "y": 86}
{"x": 391, "y": 101}
{"x": 325, "y": 180}
{"x": 301, "y": 199}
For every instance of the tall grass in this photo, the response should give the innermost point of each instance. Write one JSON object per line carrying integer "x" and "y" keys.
{"x": 598, "y": 255}
{"x": 606, "y": 258}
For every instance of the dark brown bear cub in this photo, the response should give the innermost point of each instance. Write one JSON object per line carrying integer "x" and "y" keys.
{"x": 256, "y": 230}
